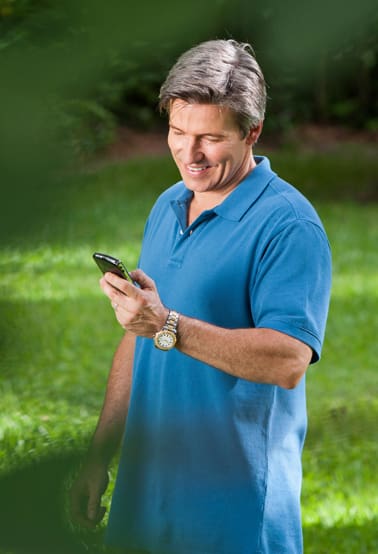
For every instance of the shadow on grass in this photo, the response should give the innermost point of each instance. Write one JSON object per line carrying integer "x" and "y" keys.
{"x": 33, "y": 519}
{"x": 33, "y": 512}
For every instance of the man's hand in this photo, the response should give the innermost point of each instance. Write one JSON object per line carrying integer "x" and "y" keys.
{"x": 86, "y": 493}
{"x": 138, "y": 310}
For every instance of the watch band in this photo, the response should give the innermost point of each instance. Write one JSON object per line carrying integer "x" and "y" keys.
{"x": 166, "y": 338}
{"x": 172, "y": 321}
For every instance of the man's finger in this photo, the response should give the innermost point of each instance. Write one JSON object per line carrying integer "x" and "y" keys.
{"x": 95, "y": 511}
{"x": 121, "y": 284}
{"x": 79, "y": 511}
{"x": 143, "y": 279}
{"x": 95, "y": 516}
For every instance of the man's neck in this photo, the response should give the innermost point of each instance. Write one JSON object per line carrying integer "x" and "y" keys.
{"x": 202, "y": 201}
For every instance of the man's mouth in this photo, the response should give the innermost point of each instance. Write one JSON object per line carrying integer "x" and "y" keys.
{"x": 197, "y": 169}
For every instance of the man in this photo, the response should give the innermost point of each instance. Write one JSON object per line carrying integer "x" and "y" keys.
{"x": 233, "y": 295}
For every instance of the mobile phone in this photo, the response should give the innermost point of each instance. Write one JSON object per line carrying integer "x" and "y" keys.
{"x": 114, "y": 265}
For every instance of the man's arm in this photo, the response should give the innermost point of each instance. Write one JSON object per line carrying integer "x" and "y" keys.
{"x": 259, "y": 355}
{"x": 92, "y": 480}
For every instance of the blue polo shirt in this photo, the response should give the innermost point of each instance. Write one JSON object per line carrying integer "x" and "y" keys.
{"x": 210, "y": 463}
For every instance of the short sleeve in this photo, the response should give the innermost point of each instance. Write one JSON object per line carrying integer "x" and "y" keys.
{"x": 291, "y": 288}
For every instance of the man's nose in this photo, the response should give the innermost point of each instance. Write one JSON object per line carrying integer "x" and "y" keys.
{"x": 192, "y": 151}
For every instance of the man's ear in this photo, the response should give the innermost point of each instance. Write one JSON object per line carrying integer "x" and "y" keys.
{"x": 254, "y": 134}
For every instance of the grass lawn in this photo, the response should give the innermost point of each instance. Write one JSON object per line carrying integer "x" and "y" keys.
{"x": 58, "y": 334}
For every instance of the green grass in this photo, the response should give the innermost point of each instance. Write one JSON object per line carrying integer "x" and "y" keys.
{"x": 58, "y": 335}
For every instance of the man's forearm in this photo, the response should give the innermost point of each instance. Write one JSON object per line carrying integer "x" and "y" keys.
{"x": 109, "y": 430}
{"x": 259, "y": 355}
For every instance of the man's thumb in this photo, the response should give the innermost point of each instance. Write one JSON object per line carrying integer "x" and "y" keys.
{"x": 143, "y": 279}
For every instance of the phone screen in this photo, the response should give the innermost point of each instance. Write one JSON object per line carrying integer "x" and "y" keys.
{"x": 108, "y": 263}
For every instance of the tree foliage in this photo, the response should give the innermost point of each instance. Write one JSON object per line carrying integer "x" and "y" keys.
{"x": 106, "y": 63}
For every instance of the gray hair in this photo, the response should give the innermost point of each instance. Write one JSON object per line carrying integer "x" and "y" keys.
{"x": 222, "y": 72}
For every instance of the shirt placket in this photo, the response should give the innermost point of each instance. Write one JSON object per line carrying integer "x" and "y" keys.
{"x": 185, "y": 235}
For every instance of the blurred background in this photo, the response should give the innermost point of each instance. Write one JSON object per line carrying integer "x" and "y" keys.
{"x": 74, "y": 73}
{"x": 83, "y": 156}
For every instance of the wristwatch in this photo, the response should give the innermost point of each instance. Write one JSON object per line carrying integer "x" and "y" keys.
{"x": 167, "y": 337}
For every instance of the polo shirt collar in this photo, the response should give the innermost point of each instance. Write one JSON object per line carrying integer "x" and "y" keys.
{"x": 247, "y": 192}
{"x": 236, "y": 204}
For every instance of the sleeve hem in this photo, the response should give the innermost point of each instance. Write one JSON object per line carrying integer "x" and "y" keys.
{"x": 298, "y": 333}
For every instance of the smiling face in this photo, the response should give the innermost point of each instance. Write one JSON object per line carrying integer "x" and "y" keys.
{"x": 208, "y": 148}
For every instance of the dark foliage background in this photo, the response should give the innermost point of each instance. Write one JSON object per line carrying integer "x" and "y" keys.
{"x": 73, "y": 72}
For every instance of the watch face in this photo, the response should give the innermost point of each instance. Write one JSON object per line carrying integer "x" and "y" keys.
{"x": 165, "y": 340}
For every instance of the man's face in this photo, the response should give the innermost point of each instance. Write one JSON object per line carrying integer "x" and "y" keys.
{"x": 208, "y": 148}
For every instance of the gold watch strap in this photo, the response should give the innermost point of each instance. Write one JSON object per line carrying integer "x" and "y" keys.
{"x": 172, "y": 321}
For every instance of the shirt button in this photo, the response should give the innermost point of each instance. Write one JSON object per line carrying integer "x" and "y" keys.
{"x": 191, "y": 232}
{"x": 181, "y": 232}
